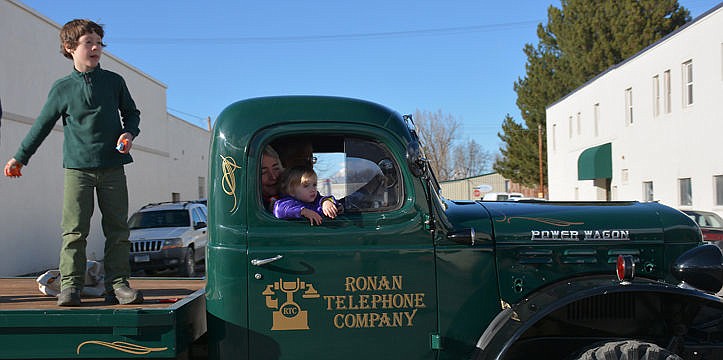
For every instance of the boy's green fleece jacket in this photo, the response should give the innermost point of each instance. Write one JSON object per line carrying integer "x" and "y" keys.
{"x": 89, "y": 104}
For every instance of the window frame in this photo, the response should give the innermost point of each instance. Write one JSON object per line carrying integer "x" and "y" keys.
{"x": 656, "y": 95}
{"x": 685, "y": 192}
{"x": 718, "y": 189}
{"x": 667, "y": 97}
{"x": 687, "y": 72}
{"x": 596, "y": 118}
{"x": 648, "y": 191}
{"x": 629, "y": 106}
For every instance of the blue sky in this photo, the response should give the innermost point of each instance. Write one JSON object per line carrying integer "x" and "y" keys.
{"x": 460, "y": 57}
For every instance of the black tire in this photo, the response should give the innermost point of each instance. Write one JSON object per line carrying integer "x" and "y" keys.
{"x": 188, "y": 267}
{"x": 627, "y": 349}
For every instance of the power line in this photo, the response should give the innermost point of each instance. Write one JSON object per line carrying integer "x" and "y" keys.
{"x": 185, "y": 113}
{"x": 307, "y": 38}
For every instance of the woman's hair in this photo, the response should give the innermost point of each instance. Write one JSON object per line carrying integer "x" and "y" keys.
{"x": 73, "y": 30}
{"x": 294, "y": 176}
{"x": 269, "y": 151}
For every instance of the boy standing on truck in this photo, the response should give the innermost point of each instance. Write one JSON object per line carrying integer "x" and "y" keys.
{"x": 95, "y": 148}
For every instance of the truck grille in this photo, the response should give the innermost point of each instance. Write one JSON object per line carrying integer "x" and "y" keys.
{"x": 611, "y": 307}
{"x": 146, "y": 246}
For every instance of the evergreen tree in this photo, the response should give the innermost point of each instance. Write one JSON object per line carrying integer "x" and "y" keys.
{"x": 580, "y": 40}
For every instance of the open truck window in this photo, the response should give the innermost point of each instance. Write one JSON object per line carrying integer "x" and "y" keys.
{"x": 359, "y": 172}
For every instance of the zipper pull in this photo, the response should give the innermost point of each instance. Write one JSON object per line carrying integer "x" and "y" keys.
{"x": 87, "y": 79}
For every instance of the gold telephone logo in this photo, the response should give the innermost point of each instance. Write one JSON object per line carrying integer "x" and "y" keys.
{"x": 289, "y": 315}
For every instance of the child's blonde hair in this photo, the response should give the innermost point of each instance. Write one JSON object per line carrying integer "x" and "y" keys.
{"x": 73, "y": 30}
{"x": 295, "y": 176}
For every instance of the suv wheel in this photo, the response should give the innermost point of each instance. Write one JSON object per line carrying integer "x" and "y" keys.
{"x": 188, "y": 267}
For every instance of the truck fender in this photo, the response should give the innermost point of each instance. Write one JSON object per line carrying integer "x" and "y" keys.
{"x": 514, "y": 320}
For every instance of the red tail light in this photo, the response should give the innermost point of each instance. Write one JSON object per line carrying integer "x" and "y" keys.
{"x": 625, "y": 267}
{"x": 712, "y": 236}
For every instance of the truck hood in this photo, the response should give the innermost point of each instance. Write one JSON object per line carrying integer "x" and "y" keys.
{"x": 565, "y": 222}
{"x": 560, "y": 222}
{"x": 157, "y": 233}
{"x": 536, "y": 244}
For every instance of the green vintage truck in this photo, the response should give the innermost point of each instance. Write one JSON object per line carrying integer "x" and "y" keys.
{"x": 402, "y": 272}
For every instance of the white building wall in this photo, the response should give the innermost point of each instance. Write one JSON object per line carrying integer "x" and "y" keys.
{"x": 30, "y": 62}
{"x": 685, "y": 143}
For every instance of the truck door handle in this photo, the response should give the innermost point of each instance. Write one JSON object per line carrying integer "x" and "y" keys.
{"x": 260, "y": 262}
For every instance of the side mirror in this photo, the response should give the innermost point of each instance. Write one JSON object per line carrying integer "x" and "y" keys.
{"x": 415, "y": 161}
{"x": 200, "y": 225}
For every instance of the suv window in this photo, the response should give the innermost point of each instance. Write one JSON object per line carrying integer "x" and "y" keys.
{"x": 359, "y": 172}
{"x": 198, "y": 216}
{"x": 161, "y": 218}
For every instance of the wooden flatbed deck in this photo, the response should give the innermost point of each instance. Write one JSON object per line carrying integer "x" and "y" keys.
{"x": 23, "y": 294}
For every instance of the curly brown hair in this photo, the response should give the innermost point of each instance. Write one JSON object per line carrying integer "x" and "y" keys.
{"x": 73, "y": 30}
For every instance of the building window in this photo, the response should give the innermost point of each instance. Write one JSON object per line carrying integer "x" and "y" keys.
{"x": 569, "y": 120}
{"x": 666, "y": 91}
{"x": 629, "y": 106}
{"x": 688, "y": 83}
{"x": 648, "y": 191}
{"x": 686, "y": 192}
{"x": 656, "y": 96}
{"x": 718, "y": 180}
{"x": 175, "y": 197}
{"x": 201, "y": 187}
{"x": 596, "y": 115}
{"x": 579, "y": 125}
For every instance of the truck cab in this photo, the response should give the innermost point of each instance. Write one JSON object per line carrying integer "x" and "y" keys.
{"x": 404, "y": 273}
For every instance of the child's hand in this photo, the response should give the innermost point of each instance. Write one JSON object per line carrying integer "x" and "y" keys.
{"x": 12, "y": 168}
{"x": 314, "y": 218}
{"x": 127, "y": 140}
{"x": 329, "y": 208}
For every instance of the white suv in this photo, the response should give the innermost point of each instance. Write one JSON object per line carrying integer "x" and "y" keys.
{"x": 170, "y": 235}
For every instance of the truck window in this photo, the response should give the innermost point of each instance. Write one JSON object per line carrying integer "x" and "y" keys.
{"x": 361, "y": 173}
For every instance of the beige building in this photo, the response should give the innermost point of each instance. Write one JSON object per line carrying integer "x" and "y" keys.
{"x": 170, "y": 155}
{"x": 474, "y": 188}
{"x": 648, "y": 129}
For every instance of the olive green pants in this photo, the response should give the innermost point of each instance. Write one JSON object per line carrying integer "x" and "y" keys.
{"x": 78, "y": 203}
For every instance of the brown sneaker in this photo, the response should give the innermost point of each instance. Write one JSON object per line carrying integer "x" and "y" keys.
{"x": 124, "y": 295}
{"x": 69, "y": 297}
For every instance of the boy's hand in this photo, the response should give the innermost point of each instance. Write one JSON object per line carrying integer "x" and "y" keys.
{"x": 12, "y": 168}
{"x": 314, "y": 218}
{"x": 127, "y": 140}
{"x": 329, "y": 208}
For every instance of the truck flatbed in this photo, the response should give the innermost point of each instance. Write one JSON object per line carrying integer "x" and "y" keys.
{"x": 32, "y": 326}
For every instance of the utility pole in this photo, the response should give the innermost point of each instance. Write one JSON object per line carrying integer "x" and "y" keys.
{"x": 541, "y": 193}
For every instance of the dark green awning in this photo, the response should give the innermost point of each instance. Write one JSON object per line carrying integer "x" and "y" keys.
{"x": 595, "y": 163}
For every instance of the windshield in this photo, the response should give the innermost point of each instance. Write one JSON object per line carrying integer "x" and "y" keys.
{"x": 155, "y": 219}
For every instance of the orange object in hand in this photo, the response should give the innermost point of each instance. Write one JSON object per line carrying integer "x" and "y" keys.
{"x": 122, "y": 145}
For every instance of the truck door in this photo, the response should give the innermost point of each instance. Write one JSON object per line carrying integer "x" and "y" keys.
{"x": 361, "y": 286}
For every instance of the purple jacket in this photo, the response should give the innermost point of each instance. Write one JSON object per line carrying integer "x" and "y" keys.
{"x": 290, "y": 208}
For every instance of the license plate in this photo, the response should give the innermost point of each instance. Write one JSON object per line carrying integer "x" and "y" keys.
{"x": 141, "y": 258}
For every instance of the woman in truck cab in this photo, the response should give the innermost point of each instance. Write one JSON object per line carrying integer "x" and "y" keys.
{"x": 270, "y": 170}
